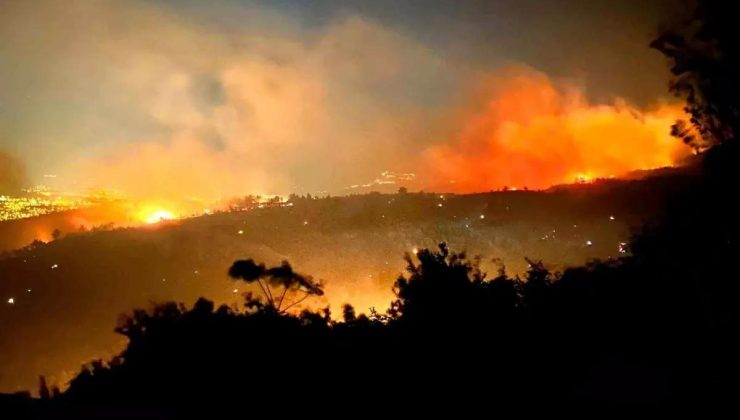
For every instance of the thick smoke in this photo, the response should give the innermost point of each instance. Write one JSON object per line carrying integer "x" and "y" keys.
{"x": 168, "y": 108}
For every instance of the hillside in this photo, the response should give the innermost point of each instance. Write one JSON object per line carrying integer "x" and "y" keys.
{"x": 68, "y": 294}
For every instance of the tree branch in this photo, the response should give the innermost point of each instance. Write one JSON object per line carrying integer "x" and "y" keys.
{"x": 297, "y": 302}
{"x": 285, "y": 290}
{"x": 267, "y": 296}
{"x": 272, "y": 299}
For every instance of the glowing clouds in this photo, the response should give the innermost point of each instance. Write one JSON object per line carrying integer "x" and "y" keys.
{"x": 529, "y": 132}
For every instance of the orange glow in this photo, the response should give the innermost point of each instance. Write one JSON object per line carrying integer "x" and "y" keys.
{"x": 527, "y": 132}
{"x": 583, "y": 178}
{"x": 159, "y": 216}
{"x": 152, "y": 213}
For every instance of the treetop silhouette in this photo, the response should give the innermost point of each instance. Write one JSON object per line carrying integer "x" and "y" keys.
{"x": 283, "y": 278}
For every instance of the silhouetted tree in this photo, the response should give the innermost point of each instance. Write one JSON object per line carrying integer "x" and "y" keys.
{"x": 44, "y": 392}
{"x": 282, "y": 277}
{"x": 704, "y": 54}
{"x": 348, "y": 313}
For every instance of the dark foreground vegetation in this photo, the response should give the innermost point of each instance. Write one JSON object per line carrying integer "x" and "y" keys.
{"x": 658, "y": 327}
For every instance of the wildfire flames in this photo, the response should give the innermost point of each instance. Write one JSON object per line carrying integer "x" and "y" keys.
{"x": 528, "y": 132}
{"x": 159, "y": 216}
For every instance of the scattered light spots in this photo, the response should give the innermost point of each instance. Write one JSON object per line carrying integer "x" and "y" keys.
{"x": 11, "y": 301}
{"x": 589, "y": 243}
{"x": 241, "y": 232}
{"x": 235, "y": 291}
{"x": 55, "y": 266}
{"x": 415, "y": 250}
{"x": 305, "y": 222}
{"x": 28, "y": 290}
{"x": 439, "y": 205}
{"x": 482, "y": 216}
{"x": 611, "y": 217}
{"x": 164, "y": 280}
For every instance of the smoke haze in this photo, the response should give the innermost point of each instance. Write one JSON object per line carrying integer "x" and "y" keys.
{"x": 163, "y": 104}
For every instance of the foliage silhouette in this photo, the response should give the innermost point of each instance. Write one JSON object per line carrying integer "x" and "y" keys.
{"x": 704, "y": 55}
{"x": 282, "y": 277}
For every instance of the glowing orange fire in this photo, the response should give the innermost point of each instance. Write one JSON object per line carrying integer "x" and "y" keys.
{"x": 152, "y": 214}
{"x": 159, "y": 216}
{"x": 527, "y": 132}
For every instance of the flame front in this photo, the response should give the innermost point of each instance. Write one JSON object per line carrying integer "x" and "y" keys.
{"x": 527, "y": 132}
{"x": 159, "y": 216}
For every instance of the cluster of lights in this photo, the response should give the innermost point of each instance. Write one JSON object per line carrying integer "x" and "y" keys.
{"x": 12, "y": 208}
